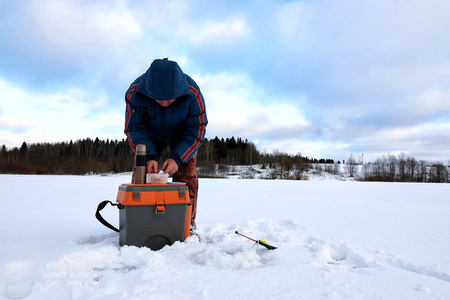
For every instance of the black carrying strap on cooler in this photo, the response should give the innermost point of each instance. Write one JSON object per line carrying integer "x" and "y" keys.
{"x": 99, "y": 216}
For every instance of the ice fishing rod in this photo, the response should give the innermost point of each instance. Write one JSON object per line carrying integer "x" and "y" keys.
{"x": 260, "y": 242}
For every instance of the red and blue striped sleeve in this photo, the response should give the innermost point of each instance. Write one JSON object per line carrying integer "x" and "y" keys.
{"x": 135, "y": 128}
{"x": 194, "y": 128}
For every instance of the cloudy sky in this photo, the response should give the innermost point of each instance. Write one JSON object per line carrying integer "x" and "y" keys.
{"x": 321, "y": 78}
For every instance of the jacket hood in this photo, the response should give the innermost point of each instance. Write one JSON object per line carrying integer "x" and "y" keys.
{"x": 164, "y": 80}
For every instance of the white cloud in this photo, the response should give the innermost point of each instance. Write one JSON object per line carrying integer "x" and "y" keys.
{"x": 227, "y": 32}
{"x": 49, "y": 117}
{"x": 438, "y": 132}
{"x": 81, "y": 29}
{"x": 309, "y": 148}
{"x": 433, "y": 101}
{"x": 295, "y": 75}
{"x": 236, "y": 106}
{"x": 428, "y": 140}
{"x": 291, "y": 22}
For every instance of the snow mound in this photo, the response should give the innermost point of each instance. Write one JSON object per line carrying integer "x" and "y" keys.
{"x": 100, "y": 269}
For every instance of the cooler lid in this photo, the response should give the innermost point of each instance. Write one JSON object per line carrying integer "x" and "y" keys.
{"x": 152, "y": 194}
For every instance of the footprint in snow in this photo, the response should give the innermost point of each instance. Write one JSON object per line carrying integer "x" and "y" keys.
{"x": 330, "y": 253}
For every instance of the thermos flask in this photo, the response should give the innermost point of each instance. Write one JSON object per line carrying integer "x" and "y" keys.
{"x": 140, "y": 164}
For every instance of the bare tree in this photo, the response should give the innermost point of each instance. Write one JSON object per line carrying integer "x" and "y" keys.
{"x": 438, "y": 172}
{"x": 411, "y": 166}
{"x": 422, "y": 171}
{"x": 401, "y": 162}
{"x": 392, "y": 166}
{"x": 351, "y": 166}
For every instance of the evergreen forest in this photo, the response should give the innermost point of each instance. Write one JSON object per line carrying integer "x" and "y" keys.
{"x": 88, "y": 156}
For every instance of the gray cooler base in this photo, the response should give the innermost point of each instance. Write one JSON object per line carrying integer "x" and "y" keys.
{"x": 141, "y": 226}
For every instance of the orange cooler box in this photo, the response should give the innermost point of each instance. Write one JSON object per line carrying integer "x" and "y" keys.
{"x": 153, "y": 215}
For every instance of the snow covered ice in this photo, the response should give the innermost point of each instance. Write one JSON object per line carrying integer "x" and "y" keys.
{"x": 336, "y": 240}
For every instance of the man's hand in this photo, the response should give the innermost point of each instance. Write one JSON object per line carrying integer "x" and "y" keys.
{"x": 152, "y": 166}
{"x": 170, "y": 166}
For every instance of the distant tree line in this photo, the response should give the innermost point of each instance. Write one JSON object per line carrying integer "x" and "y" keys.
{"x": 216, "y": 154}
{"x": 97, "y": 156}
{"x": 236, "y": 151}
{"x": 77, "y": 158}
{"x": 404, "y": 168}
{"x": 113, "y": 156}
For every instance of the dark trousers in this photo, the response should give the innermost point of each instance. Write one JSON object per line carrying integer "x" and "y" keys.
{"x": 186, "y": 173}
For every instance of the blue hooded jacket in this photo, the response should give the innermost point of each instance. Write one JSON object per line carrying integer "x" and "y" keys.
{"x": 184, "y": 120}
